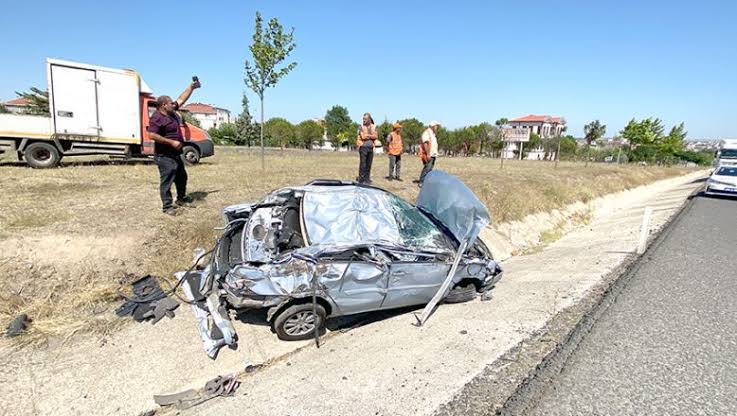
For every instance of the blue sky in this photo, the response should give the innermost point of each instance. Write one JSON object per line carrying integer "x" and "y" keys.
{"x": 460, "y": 62}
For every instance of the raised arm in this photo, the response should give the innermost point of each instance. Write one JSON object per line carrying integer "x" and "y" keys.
{"x": 184, "y": 96}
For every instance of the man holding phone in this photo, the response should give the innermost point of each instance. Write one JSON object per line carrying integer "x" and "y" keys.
{"x": 164, "y": 130}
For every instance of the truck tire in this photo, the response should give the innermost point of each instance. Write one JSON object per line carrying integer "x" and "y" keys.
{"x": 299, "y": 322}
{"x": 41, "y": 155}
{"x": 191, "y": 155}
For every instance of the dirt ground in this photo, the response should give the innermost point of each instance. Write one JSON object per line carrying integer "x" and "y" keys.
{"x": 69, "y": 237}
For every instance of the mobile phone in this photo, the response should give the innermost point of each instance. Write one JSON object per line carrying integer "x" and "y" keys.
{"x": 196, "y": 81}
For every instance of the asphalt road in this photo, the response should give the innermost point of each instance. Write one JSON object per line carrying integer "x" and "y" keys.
{"x": 668, "y": 344}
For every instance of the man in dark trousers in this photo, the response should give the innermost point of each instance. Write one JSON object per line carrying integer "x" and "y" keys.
{"x": 168, "y": 141}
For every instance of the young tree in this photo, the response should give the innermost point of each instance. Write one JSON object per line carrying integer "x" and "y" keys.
{"x": 309, "y": 132}
{"x": 248, "y": 131}
{"x": 500, "y": 123}
{"x": 338, "y": 125}
{"x": 593, "y": 131}
{"x": 271, "y": 46}
{"x": 38, "y": 101}
{"x": 280, "y": 131}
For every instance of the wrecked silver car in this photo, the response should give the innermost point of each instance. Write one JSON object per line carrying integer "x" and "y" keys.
{"x": 333, "y": 248}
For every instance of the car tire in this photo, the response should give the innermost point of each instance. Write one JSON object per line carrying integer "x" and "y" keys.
{"x": 41, "y": 155}
{"x": 191, "y": 155}
{"x": 460, "y": 294}
{"x": 298, "y": 322}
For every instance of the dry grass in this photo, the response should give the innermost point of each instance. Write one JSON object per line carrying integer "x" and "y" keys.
{"x": 69, "y": 236}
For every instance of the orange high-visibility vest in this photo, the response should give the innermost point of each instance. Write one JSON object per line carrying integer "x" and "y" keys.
{"x": 365, "y": 129}
{"x": 395, "y": 146}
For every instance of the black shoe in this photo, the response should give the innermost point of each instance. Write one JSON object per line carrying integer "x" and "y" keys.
{"x": 170, "y": 211}
{"x": 185, "y": 201}
{"x": 388, "y": 178}
{"x": 416, "y": 181}
{"x": 398, "y": 179}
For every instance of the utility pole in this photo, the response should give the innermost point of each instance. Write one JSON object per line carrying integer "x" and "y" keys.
{"x": 557, "y": 153}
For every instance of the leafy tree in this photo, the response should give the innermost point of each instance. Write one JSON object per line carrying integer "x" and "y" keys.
{"x": 248, "y": 131}
{"x": 383, "y": 130}
{"x": 568, "y": 146}
{"x": 38, "y": 101}
{"x": 280, "y": 131}
{"x": 339, "y": 126}
{"x": 703, "y": 157}
{"x": 593, "y": 132}
{"x": 3, "y": 109}
{"x": 189, "y": 118}
{"x": 672, "y": 144}
{"x": 309, "y": 132}
{"x": 271, "y": 46}
{"x": 226, "y": 133}
{"x": 502, "y": 121}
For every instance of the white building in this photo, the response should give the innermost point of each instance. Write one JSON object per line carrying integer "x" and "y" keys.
{"x": 547, "y": 127}
{"x": 544, "y": 126}
{"x": 208, "y": 115}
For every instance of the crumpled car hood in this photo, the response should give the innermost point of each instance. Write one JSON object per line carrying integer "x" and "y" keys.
{"x": 449, "y": 201}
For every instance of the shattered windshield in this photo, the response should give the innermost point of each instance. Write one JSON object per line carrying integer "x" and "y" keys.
{"x": 415, "y": 229}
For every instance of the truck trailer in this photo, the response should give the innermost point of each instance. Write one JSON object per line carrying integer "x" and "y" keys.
{"x": 93, "y": 111}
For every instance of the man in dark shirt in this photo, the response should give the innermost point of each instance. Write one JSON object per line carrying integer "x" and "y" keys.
{"x": 164, "y": 130}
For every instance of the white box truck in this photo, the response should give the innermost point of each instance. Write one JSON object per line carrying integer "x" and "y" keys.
{"x": 93, "y": 111}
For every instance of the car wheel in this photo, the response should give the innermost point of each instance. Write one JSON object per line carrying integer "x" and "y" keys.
{"x": 191, "y": 155}
{"x": 41, "y": 155}
{"x": 460, "y": 294}
{"x": 299, "y": 322}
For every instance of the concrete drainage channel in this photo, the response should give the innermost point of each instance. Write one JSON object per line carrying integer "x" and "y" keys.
{"x": 514, "y": 384}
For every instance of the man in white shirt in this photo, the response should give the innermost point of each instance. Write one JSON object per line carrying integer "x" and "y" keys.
{"x": 429, "y": 149}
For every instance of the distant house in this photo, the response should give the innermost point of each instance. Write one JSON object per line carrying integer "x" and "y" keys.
{"x": 208, "y": 115}
{"x": 17, "y": 106}
{"x": 545, "y": 126}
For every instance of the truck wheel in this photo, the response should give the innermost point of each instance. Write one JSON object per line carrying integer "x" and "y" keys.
{"x": 299, "y": 322}
{"x": 42, "y": 155}
{"x": 191, "y": 155}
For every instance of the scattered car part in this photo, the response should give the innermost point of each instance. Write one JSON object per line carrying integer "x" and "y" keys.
{"x": 148, "y": 303}
{"x": 219, "y": 386}
{"x": 18, "y": 325}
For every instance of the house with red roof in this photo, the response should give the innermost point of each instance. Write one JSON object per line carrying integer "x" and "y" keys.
{"x": 543, "y": 125}
{"x": 208, "y": 115}
{"x": 17, "y": 106}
